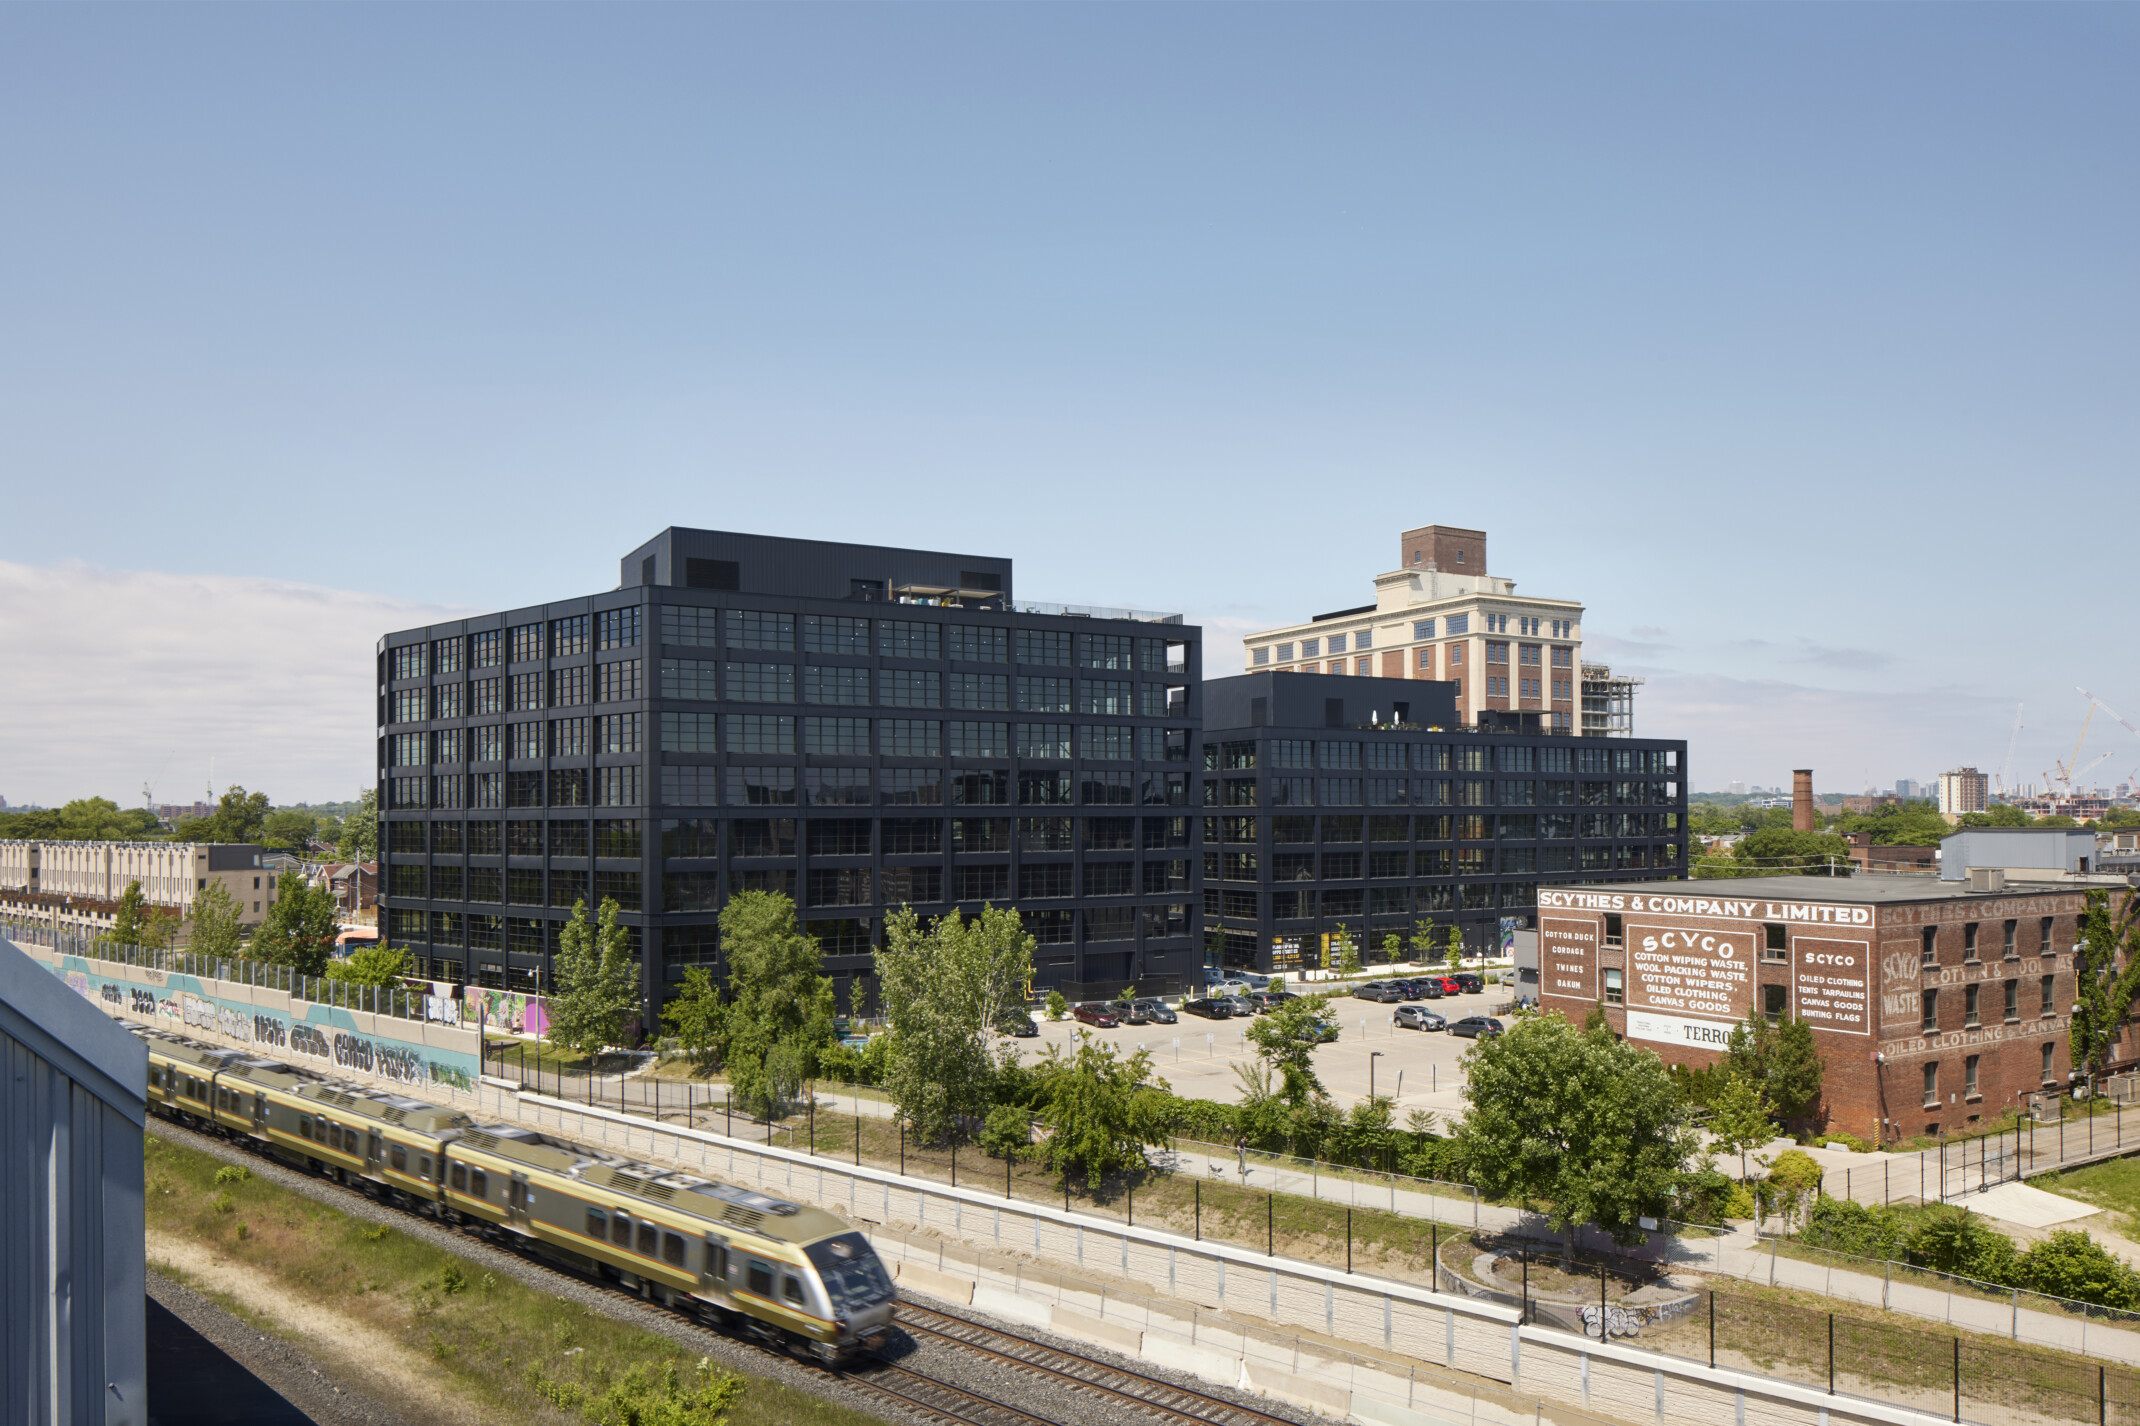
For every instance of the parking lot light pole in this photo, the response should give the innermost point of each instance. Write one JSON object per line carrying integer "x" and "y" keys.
{"x": 1372, "y": 1056}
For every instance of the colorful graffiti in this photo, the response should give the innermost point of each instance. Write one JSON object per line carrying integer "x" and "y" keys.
{"x": 507, "y": 1010}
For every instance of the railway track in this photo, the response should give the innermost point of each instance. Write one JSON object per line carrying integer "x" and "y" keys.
{"x": 1104, "y": 1392}
{"x": 1167, "y": 1399}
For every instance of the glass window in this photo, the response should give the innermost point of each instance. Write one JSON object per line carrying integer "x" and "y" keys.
{"x": 838, "y": 787}
{"x": 1108, "y": 743}
{"x": 750, "y": 682}
{"x": 981, "y": 834}
{"x": 906, "y": 639}
{"x": 978, "y": 740}
{"x": 1106, "y": 697}
{"x": 983, "y": 692}
{"x": 975, "y": 643}
{"x": 762, "y": 837}
{"x": 910, "y": 786}
{"x": 690, "y": 626}
{"x": 1044, "y": 646}
{"x": 693, "y": 678}
{"x": 1106, "y": 651}
{"x": 761, "y": 786}
{"x": 836, "y": 684}
{"x": 910, "y": 688}
{"x": 832, "y": 634}
{"x": 910, "y": 737}
{"x": 836, "y": 737}
{"x": 758, "y": 629}
{"x": 616, "y": 628}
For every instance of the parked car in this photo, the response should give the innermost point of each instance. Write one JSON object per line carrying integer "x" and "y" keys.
{"x": 1213, "y": 976}
{"x": 1406, "y": 989}
{"x": 1100, "y": 1015}
{"x": 1448, "y": 985}
{"x": 1211, "y": 1008}
{"x": 1321, "y": 1032}
{"x": 1262, "y": 1000}
{"x": 1151, "y": 1012}
{"x": 1020, "y": 1024}
{"x": 1380, "y": 990}
{"x": 1473, "y": 1026}
{"x": 1469, "y": 983}
{"x": 1417, "y": 1017}
{"x": 1248, "y": 978}
{"x": 1430, "y": 987}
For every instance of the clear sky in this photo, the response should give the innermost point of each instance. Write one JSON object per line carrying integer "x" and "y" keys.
{"x": 1797, "y": 341}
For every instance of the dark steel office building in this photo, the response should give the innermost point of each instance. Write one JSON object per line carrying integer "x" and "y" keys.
{"x": 1339, "y": 806}
{"x": 859, "y": 727}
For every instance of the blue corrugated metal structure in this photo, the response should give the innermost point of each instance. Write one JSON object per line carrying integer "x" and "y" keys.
{"x": 72, "y": 1103}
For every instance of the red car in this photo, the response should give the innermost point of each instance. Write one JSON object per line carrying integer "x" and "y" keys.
{"x": 1099, "y": 1015}
{"x": 1449, "y": 986}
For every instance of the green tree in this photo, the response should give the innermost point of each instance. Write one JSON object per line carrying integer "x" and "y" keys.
{"x": 597, "y": 989}
{"x": 288, "y": 828}
{"x": 1456, "y": 948}
{"x": 1999, "y": 814}
{"x": 1100, "y": 1109}
{"x": 1348, "y": 954}
{"x": 359, "y": 841}
{"x": 2104, "y": 990}
{"x": 130, "y": 921}
{"x": 694, "y": 1017}
{"x": 217, "y": 929}
{"x": 1780, "y": 851}
{"x": 1779, "y": 1058}
{"x": 301, "y": 927}
{"x": 1426, "y": 940}
{"x": 1739, "y": 1120}
{"x": 1582, "y": 1122}
{"x": 779, "y": 1012}
{"x": 239, "y": 817}
{"x": 1392, "y": 948}
{"x": 946, "y": 991}
{"x": 1795, "y": 1176}
{"x": 1285, "y": 1040}
{"x": 1058, "y": 1005}
{"x": 377, "y": 964}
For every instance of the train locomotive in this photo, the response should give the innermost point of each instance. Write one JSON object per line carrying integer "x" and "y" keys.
{"x": 793, "y": 1276}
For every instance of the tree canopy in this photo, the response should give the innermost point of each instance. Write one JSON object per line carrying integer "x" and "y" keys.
{"x": 597, "y": 990}
{"x": 376, "y": 964}
{"x": 779, "y": 1010}
{"x": 2104, "y": 989}
{"x": 1285, "y": 1039}
{"x": 1779, "y": 1059}
{"x": 1579, "y": 1122}
{"x": 300, "y": 929}
{"x": 217, "y": 929}
{"x": 1101, "y": 1109}
{"x": 359, "y": 840}
{"x": 947, "y": 990}
{"x": 86, "y": 819}
{"x": 240, "y": 816}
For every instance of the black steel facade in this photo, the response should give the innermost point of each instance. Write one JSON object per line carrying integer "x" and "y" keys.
{"x": 860, "y": 727}
{"x": 1356, "y": 807}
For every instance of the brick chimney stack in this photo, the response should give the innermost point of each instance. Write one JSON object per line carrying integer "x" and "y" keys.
{"x": 1802, "y": 815}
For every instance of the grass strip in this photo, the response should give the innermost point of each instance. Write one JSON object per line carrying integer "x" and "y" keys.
{"x": 510, "y": 1350}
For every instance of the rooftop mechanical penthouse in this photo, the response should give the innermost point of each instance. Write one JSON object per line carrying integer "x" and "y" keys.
{"x": 859, "y": 727}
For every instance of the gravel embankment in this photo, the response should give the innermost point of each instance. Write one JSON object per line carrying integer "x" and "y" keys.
{"x": 305, "y": 1384}
{"x": 1065, "y": 1405}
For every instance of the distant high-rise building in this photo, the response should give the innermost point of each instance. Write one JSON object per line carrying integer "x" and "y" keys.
{"x": 1963, "y": 790}
{"x": 1735, "y": 789}
{"x": 1908, "y": 787}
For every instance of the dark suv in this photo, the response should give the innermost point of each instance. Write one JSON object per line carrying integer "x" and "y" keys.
{"x": 1469, "y": 982}
{"x": 1211, "y": 1008}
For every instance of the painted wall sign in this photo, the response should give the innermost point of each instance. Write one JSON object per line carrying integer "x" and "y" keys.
{"x": 1831, "y": 984}
{"x": 1678, "y": 1030}
{"x": 1690, "y": 972}
{"x": 1568, "y": 950}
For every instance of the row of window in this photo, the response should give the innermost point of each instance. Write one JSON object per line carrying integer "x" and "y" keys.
{"x": 496, "y": 742}
{"x": 537, "y": 936}
{"x": 1972, "y": 1004}
{"x": 1402, "y": 866}
{"x": 485, "y": 931}
{"x": 1384, "y": 754}
{"x": 1396, "y": 902}
{"x": 774, "y": 631}
{"x": 2046, "y": 943}
{"x": 516, "y": 886}
{"x": 1432, "y": 792}
{"x": 1454, "y": 626}
{"x": 688, "y": 890}
{"x": 2047, "y": 1070}
{"x": 567, "y": 637}
{"x": 617, "y": 682}
{"x": 696, "y": 680}
{"x": 1295, "y": 830}
{"x": 608, "y": 837}
{"x": 776, "y": 733}
{"x": 706, "y": 786}
{"x": 908, "y": 836}
{"x": 490, "y": 791}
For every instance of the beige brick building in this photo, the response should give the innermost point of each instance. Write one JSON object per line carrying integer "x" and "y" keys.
{"x": 1442, "y": 615}
{"x": 77, "y": 885}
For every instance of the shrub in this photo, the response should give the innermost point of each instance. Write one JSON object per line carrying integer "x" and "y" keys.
{"x": 2073, "y": 1265}
{"x": 1739, "y": 1203}
{"x": 1957, "y": 1241}
{"x": 1007, "y": 1132}
{"x": 1853, "y": 1228}
{"x": 233, "y": 1173}
{"x": 1058, "y": 1005}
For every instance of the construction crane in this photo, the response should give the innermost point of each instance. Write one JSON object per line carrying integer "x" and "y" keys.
{"x": 2066, "y": 770}
{"x": 2093, "y": 704}
{"x": 2005, "y": 788}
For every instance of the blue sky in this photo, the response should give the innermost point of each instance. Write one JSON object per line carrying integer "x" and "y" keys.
{"x": 1795, "y": 340}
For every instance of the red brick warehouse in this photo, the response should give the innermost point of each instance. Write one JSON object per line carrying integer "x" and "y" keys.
{"x": 1933, "y": 1006}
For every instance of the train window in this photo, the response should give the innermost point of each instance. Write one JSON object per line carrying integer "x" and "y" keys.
{"x": 761, "y": 1278}
{"x": 304, "y": 1126}
{"x": 672, "y": 1249}
{"x": 717, "y": 1260}
{"x": 460, "y": 1177}
{"x": 649, "y": 1240}
{"x": 791, "y": 1288}
{"x": 400, "y": 1157}
{"x": 423, "y": 1166}
{"x": 620, "y": 1231}
{"x": 479, "y": 1184}
{"x": 597, "y": 1224}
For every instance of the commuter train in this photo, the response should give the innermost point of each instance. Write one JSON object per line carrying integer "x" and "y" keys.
{"x": 793, "y": 1276}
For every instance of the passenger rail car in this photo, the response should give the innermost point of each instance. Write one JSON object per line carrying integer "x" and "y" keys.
{"x": 792, "y": 1275}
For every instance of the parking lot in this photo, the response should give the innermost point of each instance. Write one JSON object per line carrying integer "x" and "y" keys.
{"x": 1416, "y": 1068}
